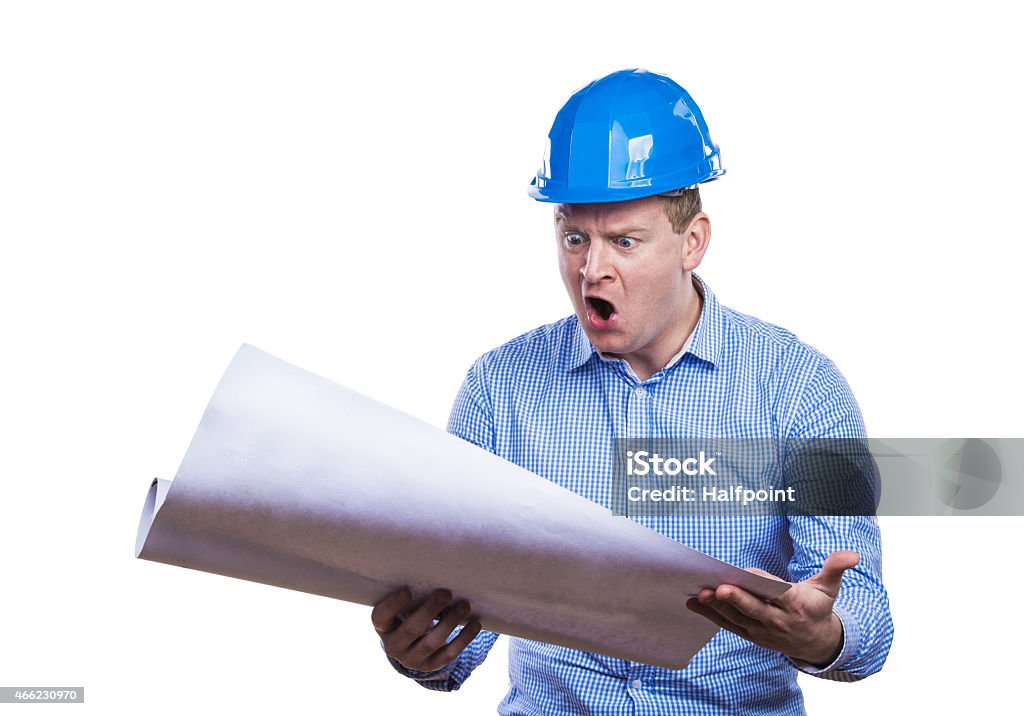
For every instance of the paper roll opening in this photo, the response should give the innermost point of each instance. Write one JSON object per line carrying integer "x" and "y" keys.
{"x": 154, "y": 500}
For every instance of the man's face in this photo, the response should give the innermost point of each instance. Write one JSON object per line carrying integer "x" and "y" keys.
{"x": 628, "y": 276}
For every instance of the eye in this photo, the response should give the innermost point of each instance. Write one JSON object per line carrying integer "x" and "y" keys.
{"x": 625, "y": 242}
{"x": 574, "y": 239}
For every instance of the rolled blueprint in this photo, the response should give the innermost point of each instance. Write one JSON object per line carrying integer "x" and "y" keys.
{"x": 295, "y": 481}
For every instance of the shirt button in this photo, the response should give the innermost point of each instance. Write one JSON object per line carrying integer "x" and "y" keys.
{"x": 637, "y": 684}
{"x": 640, "y": 392}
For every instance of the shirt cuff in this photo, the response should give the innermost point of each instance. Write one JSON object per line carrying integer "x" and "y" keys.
{"x": 441, "y": 674}
{"x": 439, "y": 680}
{"x": 851, "y": 638}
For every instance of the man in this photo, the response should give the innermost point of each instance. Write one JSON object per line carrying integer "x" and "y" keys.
{"x": 650, "y": 353}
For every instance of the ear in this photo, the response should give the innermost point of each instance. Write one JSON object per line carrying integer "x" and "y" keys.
{"x": 695, "y": 241}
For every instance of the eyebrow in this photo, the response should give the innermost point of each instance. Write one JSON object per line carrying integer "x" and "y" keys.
{"x": 628, "y": 231}
{"x": 624, "y": 231}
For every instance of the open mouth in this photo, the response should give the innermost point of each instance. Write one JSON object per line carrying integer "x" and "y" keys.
{"x": 600, "y": 313}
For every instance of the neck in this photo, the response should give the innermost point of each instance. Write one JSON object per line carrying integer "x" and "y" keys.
{"x": 648, "y": 362}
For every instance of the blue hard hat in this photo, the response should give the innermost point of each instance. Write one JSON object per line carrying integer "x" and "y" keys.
{"x": 626, "y": 136}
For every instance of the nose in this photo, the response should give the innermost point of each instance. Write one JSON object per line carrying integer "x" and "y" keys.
{"x": 598, "y": 265}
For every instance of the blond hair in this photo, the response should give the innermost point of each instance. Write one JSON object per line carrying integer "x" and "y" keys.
{"x": 681, "y": 208}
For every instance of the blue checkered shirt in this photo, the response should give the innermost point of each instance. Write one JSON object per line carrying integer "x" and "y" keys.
{"x": 549, "y": 402}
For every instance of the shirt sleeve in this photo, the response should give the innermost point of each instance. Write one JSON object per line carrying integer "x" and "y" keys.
{"x": 828, "y": 409}
{"x": 472, "y": 420}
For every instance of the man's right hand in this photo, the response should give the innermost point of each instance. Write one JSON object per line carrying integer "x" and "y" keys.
{"x": 413, "y": 639}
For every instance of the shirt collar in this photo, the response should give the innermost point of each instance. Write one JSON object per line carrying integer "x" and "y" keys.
{"x": 704, "y": 343}
{"x": 709, "y": 334}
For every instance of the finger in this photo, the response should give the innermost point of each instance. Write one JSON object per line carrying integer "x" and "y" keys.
{"x": 452, "y": 649}
{"x": 749, "y": 605}
{"x": 711, "y": 615}
{"x": 762, "y": 573}
{"x": 732, "y": 614}
{"x": 385, "y": 614}
{"x": 418, "y": 623}
{"x": 436, "y": 637}
{"x": 830, "y": 578}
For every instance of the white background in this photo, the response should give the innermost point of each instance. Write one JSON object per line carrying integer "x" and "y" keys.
{"x": 347, "y": 189}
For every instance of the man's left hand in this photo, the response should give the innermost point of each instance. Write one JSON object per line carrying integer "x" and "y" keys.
{"x": 800, "y": 623}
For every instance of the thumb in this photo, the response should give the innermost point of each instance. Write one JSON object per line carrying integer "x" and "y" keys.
{"x": 831, "y": 574}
